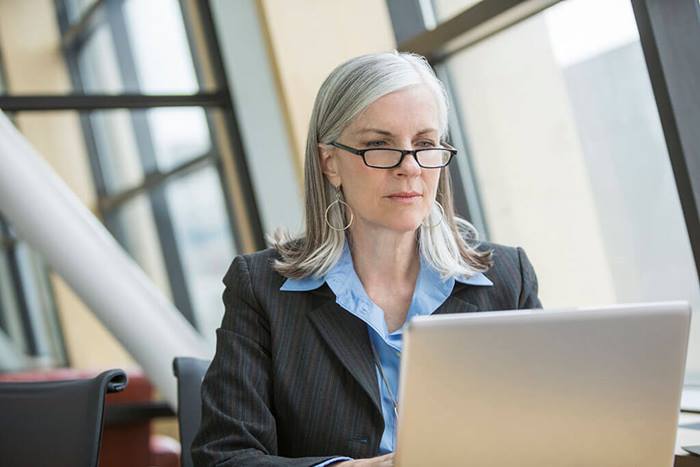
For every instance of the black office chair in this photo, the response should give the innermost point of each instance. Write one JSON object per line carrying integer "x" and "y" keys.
{"x": 48, "y": 423}
{"x": 189, "y": 373}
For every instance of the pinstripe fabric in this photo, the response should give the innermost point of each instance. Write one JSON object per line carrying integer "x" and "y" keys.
{"x": 292, "y": 381}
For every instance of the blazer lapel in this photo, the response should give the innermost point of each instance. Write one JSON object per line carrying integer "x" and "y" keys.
{"x": 457, "y": 302}
{"x": 347, "y": 336}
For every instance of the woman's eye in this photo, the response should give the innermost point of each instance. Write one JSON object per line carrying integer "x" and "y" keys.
{"x": 426, "y": 144}
{"x": 375, "y": 143}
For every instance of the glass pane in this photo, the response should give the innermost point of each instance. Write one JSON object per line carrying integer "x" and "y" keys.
{"x": 30, "y": 336}
{"x": 40, "y": 307}
{"x": 179, "y": 134}
{"x": 204, "y": 240}
{"x": 134, "y": 227}
{"x": 159, "y": 42}
{"x": 571, "y": 162}
{"x": 446, "y": 9}
{"x": 117, "y": 150}
{"x": 76, "y": 8}
{"x": 10, "y": 318}
{"x": 97, "y": 61}
{"x": 156, "y": 59}
{"x": 168, "y": 137}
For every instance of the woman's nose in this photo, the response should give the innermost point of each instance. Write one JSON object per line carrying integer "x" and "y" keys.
{"x": 409, "y": 166}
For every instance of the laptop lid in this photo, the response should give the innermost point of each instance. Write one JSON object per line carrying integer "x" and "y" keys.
{"x": 585, "y": 387}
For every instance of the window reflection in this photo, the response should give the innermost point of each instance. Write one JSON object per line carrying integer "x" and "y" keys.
{"x": 11, "y": 331}
{"x": 179, "y": 134}
{"x": 117, "y": 150}
{"x": 77, "y": 7}
{"x": 570, "y": 158}
{"x": 154, "y": 57}
{"x": 98, "y": 65}
{"x": 30, "y": 336}
{"x": 159, "y": 43}
{"x": 446, "y": 9}
{"x": 135, "y": 228}
{"x": 204, "y": 240}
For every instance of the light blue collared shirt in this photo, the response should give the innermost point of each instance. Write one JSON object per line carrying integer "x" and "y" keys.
{"x": 430, "y": 292}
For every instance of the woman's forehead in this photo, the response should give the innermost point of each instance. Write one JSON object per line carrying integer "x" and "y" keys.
{"x": 412, "y": 109}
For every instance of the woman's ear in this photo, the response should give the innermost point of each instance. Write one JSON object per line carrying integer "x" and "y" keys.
{"x": 329, "y": 164}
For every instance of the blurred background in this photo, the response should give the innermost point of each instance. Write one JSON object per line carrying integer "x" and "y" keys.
{"x": 181, "y": 125}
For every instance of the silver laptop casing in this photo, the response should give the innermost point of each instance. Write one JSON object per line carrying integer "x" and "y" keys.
{"x": 585, "y": 387}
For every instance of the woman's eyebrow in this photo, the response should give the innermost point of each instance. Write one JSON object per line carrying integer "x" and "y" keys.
{"x": 388, "y": 133}
{"x": 374, "y": 130}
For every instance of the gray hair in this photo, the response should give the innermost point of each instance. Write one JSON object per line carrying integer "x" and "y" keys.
{"x": 449, "y": 246}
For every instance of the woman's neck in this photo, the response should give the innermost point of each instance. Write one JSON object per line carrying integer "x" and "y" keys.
{"x": 384, "y": 257}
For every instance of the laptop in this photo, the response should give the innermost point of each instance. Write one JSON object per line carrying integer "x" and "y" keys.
{"x": 584, "y": 387}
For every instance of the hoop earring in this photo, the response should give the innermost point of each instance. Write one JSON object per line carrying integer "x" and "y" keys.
{"x": 442, "y": 217}
{"x": 339, "y": 202}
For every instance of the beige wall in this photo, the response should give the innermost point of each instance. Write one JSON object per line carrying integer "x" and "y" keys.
{"x": 308, "y": 38}
{"x": 29, "y": 39}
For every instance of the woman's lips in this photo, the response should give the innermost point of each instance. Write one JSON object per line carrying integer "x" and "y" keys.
{"x": 405, "y": 197}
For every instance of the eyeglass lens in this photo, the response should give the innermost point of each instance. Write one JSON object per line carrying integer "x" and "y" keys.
{"x": 389, "y": 158}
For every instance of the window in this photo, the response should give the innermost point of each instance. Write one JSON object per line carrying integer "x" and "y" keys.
{"x": 30, "y": 335}
{"x": 563, "y": 153}
{"x": 160, "y": 167}
{"x": 446, "y": 9}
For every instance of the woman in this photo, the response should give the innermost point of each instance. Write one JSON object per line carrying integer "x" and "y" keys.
{"x": 307, "y": 358}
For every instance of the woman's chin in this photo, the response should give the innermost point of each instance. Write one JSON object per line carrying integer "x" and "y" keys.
{"x": 403, "y": 225}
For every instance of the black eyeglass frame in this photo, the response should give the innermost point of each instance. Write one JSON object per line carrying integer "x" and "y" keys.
{"x": 404, "y": 153}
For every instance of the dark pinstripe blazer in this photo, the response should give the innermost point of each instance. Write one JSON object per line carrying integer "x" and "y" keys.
{"x": 292, "y": 381}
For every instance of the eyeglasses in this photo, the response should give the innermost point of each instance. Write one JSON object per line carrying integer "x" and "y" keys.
{"x": 388, "y": 158}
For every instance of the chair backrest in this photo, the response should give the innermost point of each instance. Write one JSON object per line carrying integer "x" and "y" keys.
{"x": 54, "y": 422}
{"x": 190, "y": 373}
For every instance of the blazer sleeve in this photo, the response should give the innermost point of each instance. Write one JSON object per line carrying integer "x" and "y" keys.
{"x": 528, "y": 288}
{"x": 238, "y": 425}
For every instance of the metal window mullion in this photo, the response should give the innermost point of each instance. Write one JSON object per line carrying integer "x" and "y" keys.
{"x": 220, "y": 84}
{"x": 90, "y": 102}
{"x": 243, "y": 174}
{"x": 157, "y": 197}
{"x": 669, "y": 32}
{"x": 31, "y": 337}
{"x": 474, "y": 24}
{"x": 45, "y": 319}
{"x": 5, "y": 245}
{"x": 74, "y": 35}
{"x": 407, "y": 19}
{"x": 98, "y": 175}
{"x": 154, "y": 180}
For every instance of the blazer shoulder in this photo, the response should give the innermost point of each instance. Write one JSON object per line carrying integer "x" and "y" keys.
{"x": 258, "y": 265}
{"x": 498, "y": 249}
{"x": 513, "y": 275}
{"x": 510, "y": 263}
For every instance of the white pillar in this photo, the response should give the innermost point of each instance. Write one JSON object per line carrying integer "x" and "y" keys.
{"x": 50, "y": 217}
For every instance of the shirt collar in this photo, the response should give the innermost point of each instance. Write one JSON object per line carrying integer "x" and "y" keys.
{"x": 342, "y": 270}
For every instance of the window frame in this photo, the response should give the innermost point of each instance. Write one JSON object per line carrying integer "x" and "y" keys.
{"x": 669, "y": 34}
{"x": 664, "y": 29}
{"x": 245, "y": 226}
{"x": 37, "y": 340}
{"x": 40, "y": 327}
